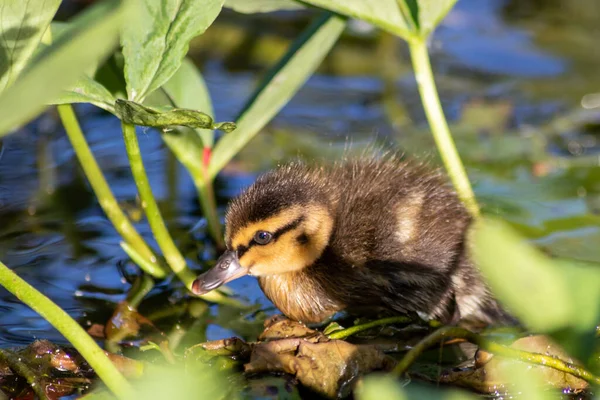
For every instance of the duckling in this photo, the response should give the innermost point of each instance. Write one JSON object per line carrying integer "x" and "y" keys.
{"x": 368, "y": 235}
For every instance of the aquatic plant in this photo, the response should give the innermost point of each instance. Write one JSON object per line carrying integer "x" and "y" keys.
{"x": 136, "y": 69}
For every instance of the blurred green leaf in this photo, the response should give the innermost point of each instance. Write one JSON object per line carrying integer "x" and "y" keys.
{"x": 384, "y": 14}
{"x": 60, "y": 65}
{"x": 531, "y": 286}
{"x": 262, "y": 6}
{"x": 87, "y": 90}
{"x": 22, "y": 24}
{"x": 157, "y": 39}
{"x": 431, "y": 13}
{"x": 405, "y": 18}
{"x": 133, "y": 113}
{"x": 526, "y": 381}
{"x": 280, "y": 84}
{"x": 380, "y": 387}
{"x": 387, "y": 387}
{"x": 186, "y": 89}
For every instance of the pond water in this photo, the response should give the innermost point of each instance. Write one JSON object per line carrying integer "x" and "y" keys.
{"x": 514, "y": 77}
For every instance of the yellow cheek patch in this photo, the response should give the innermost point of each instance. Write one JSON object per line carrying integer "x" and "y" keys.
{"x": 244, "y": 236}
{"x": 286, "y": 253}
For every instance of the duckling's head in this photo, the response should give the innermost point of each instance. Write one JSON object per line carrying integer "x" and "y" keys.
{"x": 280, "y": 224}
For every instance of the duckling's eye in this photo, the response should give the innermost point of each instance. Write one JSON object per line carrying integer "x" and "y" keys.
{"x": 263, "y": 237}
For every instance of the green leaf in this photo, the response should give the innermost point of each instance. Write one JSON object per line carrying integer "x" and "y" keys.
{"x": 60, "y": 65}
{"x": 22, "y": 24}
{"x": 384, "y": 14}
{"x": 279, "y": 86}
{"x": 431, "y": 13}
{"x": 136, "y": 114}
{"x": 380, "y": 387}
{"x": 386, "y": 387}
{"x": 525, "y": 281}
{"x": 262, "y": 6}
{"x": 87, "y": 90}
{"x": 186, "y": 89}
{"x": 156, "y": 41}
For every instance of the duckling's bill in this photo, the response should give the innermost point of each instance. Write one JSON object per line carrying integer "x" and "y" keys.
{"x": 228, "y": 268}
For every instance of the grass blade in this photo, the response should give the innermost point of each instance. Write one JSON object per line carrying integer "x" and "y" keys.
{"x": 282, "y": 82}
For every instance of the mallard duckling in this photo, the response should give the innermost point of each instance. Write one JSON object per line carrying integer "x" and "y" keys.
{"x": 366, "y": 236}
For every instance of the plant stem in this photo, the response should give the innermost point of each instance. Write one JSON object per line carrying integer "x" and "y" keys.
{"x": 157, "y": 224}
{"x": 102, "y": 190}
{"x": 439, "y": 126}
{"x": 140, "y": 288}
{"x": 20, "y": 368}
{"x": 344, "y": 333}
{"x": 206, "y": 194}
{"x": 152, "y": 269}
{"x": 70, "y": 329}
{"x": 497, "y": 349}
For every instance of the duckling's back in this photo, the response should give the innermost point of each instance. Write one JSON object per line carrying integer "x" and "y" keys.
{"x": 400, "y": 243}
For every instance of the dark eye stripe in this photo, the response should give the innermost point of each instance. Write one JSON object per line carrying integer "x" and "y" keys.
{"x": 286, "y": 228}
{"x": 241, "y": 249}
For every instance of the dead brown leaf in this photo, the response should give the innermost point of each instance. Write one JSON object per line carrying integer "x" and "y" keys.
{"x": 329, "y": 367}
{"x": 487, "y": 375}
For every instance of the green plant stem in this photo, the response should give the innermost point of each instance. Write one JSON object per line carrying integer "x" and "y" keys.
{"x": 206, "y": 194}
{"x": 157, "y": 224}
{"x": 153, "y": 269}
{"x": 140, "y": 288}
{"x": 70, "y": 329}
{"x": 20, "y": 368}
{"x": 438, "y": 124}
{"x": 344, "y": 333}
{"x": 102, "y": 190}
{"x": 495, "y": 348}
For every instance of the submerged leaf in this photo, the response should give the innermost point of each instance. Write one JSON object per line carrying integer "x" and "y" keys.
{"x": 137, "y": 114}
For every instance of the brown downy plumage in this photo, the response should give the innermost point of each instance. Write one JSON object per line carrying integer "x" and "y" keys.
{"x": 366, "y": 236}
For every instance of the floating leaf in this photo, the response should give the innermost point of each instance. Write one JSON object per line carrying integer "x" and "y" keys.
{"x": 262, "y": 6}
{"x": 136, "y": 114}
{"x": 22, "y": 24}
{"x": 60, "y": 65}
{"x": 157, "y": 39}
